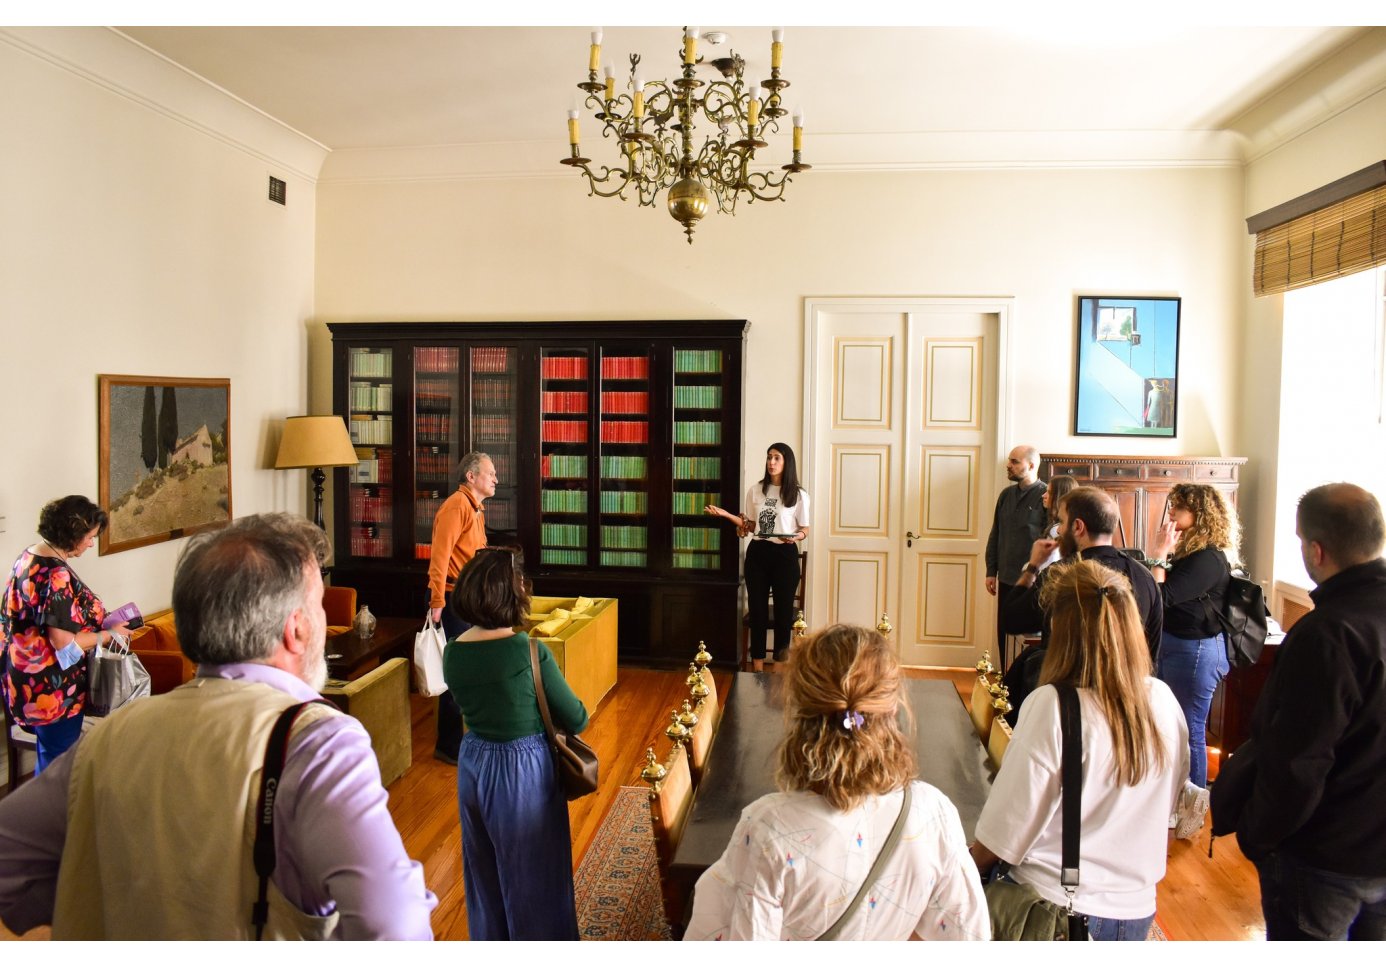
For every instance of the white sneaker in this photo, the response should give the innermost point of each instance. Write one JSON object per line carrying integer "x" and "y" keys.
{"x": 1191, "y": 811}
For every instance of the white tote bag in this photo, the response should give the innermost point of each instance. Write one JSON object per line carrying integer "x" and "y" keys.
{"x": 428, "y": 658}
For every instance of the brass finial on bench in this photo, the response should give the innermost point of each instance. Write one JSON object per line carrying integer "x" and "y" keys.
{"x": 884, "y": 626}
{"x": 697, "y": 685}
{"x": 800, "y": 626}
{"x": 704, "y": 657}
{"x": 688, "y": 718}
{"x": 654, "y": 771}
{"x": 676, "y": 731}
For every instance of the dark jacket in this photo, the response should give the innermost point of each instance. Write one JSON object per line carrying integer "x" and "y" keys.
{"x": 1022, "y": 613}
{"x": 1019, "y": 520}
{"x": 1320, "y": 734}
{"x": 1205, "y": 572}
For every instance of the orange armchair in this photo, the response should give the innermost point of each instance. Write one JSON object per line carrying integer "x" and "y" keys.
{"x": 339, "y": 602}
{"x": 156, "y": 643}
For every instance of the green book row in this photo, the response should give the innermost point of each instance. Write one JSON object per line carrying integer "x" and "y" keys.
{"x": 564, "y": 465}
{"x": 697, "y": 539}
{"x": 693, "y": 502}
{"x": 625, "y": 536}
{"x": 624, "y": 468}
{"x": 700, "y": 397}
{"x": 624, "y": 559}
{"x": 697, "y": 361}
{"x": 624, "y": 502}
{"x": 697, "y": 432}
{"x": 684, "y": 559}
{"x": 562, "y": 556}
{"x": 566, "y": 502}
{"x": 697, "y": 468}
{"x": 563, "y": 535}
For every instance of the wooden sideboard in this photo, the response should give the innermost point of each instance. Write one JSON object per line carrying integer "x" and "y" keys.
{"x": 1141, "y": 485}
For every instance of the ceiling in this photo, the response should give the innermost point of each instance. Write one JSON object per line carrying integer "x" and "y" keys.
{"x": 395, "y": 87}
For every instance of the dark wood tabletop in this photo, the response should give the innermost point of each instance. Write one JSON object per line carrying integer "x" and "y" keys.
{"x": 741, "y": 763}
{"x": 349, "y": 656}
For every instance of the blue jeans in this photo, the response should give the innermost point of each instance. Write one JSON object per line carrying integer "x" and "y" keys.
{"x": 55, "y": 739}
{"x": 1192, "y": 668}
{"x": 1119, "y": 929}
{"x": 1303, "y": 903}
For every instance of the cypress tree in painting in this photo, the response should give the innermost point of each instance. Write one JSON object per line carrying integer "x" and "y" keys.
{"x": 168, "y": 426}
{"x": 149, "y": 436}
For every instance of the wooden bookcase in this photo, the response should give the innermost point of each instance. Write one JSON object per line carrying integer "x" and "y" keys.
{"x": 608, "y": 439}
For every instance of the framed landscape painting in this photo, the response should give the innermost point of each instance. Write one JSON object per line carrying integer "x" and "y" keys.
{"x": 1128, "y": 367}
{"x": 165, "y": 461}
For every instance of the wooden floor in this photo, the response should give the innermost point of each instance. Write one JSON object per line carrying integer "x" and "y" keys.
{"x": 1199, "y": 900}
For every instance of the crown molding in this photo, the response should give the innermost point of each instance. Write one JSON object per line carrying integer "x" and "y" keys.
{"x": 110, "y": 60}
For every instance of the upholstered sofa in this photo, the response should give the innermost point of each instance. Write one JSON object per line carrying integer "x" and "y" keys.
{"x": 584, "y": 644}
{"x": 156, "y": 643}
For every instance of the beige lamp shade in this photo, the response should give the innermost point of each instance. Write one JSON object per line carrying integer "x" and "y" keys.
{"x": 315, "y": 442}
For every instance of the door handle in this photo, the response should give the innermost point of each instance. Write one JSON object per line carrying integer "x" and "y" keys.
{"x": 909, "y": 538}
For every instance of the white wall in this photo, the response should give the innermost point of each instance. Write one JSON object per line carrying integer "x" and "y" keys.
{"x": 137, "y": 239}
{"x": 531, "y": 249}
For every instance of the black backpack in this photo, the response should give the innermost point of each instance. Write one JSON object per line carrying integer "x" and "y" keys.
{"x": 1243, "y": 619}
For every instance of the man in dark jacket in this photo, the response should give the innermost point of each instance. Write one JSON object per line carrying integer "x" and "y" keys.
{"x": 1019, "y": 519}
{"x": 1315, "y": 824}
{"x": 1088, "y": 518}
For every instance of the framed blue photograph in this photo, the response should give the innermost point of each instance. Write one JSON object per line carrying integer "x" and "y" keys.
{"x": 1128, "y": 367}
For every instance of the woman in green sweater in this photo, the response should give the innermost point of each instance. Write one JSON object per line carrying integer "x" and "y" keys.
{"x": 516, "y": 845}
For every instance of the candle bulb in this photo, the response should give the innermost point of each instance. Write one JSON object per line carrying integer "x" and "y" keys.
{"x": 752, "y": 109}
{"x": 776, "y": 47}
{"x": 798, "y": 129}
{"x": 690, "y": 45}
{"x": 573, "y": 127}
{"x": 610, "y": 81}
{"x": 639, "y": 107}
{"x": 594, "y": 58}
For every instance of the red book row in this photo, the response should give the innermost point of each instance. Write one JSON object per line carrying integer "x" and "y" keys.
{"x": 564, "y": 368}
{"x": 564, "y": 401}
{"x": 435, "y": 359}
{"x": 625, "y": 403}
{"x": 625, "y": 432}
{"x": 564, "y": 431}
{"x": 491, "y": 359}
{"x": 625, "y": 367}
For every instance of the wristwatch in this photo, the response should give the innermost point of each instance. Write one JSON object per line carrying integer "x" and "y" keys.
{"x": 1030, "y": 568}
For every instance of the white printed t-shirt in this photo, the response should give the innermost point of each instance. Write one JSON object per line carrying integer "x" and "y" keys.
{"x": 769, "y": 515}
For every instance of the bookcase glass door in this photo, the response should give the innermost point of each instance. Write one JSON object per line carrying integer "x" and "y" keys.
{"x": 625, "y": 460}
{"x": 435, "y": 435}
{"x": 495, "y": 431}
{"x": 698, "y": 385}
{"x": 565, "y": 454}
{"x": 370, "y": 498}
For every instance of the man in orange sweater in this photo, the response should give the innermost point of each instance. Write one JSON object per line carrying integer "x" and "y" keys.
{"x": 459, "y": 529}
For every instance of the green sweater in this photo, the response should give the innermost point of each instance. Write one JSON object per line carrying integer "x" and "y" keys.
{"x": 494, "y": 687}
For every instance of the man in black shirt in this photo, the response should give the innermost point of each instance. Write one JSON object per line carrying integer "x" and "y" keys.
{"x": 1315, "y": 824}
{"x": 1088, "y": 518}
{"x": 1020, "y": 518}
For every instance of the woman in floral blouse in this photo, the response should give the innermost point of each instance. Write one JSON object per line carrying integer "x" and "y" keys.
{"x": 49, "y": 620}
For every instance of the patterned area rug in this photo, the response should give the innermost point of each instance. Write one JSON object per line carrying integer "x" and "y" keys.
{"x": 617, "y": 883}
{"x": 1157, "y": 931}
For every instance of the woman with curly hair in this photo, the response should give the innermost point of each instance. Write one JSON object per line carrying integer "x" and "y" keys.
{"x": 1202, "y": 534}
{"x": 799, "y": 857}
{"x": 1134, "y": 749}
{"x": 49, "y": 621}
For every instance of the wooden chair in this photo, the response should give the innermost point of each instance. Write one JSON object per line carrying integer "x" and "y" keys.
{"x": 671, "y": 797}
{"x": 999, "y": 740}
{"x": 980, "y": 708}
{"x": 796, "y": 607}
{"x": 18, "y": 740}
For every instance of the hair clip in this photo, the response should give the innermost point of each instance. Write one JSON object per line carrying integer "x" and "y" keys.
{"x": 853, "y": 720}
{"x": 1102, "y": 590}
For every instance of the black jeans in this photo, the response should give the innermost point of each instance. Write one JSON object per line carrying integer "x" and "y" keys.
{"x": 449, "y": 716}
{"x": 1303, "y": 903}
{"x": 771, "y": 566}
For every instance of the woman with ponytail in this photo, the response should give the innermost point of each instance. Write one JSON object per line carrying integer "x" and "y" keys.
{"x": 1135, "y": 761}
{"x": 799, "y": 857}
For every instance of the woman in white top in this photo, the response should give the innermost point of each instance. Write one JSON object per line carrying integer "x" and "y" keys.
{"x": 1135, "y": 761}
{"x": 799, "y": 857}
{"x": 776, "y": 516}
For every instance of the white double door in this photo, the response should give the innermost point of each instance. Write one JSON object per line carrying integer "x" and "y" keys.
{"x": 903, "y": 407}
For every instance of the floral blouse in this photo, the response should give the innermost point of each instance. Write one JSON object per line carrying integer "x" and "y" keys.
{"x": 43, "y": 592}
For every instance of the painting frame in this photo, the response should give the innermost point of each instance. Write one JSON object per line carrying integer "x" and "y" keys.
{"x": 1126, "y": 372}
{"x": 185, "y": 450}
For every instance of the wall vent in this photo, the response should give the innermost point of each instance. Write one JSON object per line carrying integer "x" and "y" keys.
{"x": 277, "y": 189}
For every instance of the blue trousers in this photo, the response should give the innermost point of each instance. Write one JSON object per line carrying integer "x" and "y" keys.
{"x": 55, "y": 739}
{"x": 516, "y": 848}
{"x": 1119, "y": 929}
{"x": 1192, "y": 668}
{"x": 1303, "y": 903}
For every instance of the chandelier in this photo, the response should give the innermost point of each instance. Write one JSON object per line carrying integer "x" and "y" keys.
{"x": 653, "y": 123}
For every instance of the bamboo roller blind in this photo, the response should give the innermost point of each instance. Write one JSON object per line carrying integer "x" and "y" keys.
{"x": 1337, "y": 240}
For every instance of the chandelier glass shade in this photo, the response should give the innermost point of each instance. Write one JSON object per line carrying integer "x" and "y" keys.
{"x": 654, "y": 122}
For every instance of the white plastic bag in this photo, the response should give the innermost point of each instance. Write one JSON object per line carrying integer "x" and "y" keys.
{"x": 428, "y": 658}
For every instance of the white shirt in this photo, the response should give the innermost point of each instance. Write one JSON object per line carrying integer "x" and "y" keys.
{"x": 1125, "y": 830}
{"x": 769, "y": 515}
{"x": 794, "y": 863}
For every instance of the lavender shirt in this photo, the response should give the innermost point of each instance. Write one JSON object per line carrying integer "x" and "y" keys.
{"x": 336, "y": 844}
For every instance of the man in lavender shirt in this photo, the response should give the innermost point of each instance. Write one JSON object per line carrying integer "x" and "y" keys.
{"x": 248, "y": 606}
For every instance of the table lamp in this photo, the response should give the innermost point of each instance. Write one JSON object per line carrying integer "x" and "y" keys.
{"x": 315, "y": 442}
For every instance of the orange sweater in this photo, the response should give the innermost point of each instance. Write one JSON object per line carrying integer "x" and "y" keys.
{"x": 458, "y": 530}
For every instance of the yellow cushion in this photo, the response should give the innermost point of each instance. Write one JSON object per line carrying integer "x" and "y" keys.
{"x": 560, "y": 613}
{"x": 550, "y": 627}
{"x": 582, "y": 605}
